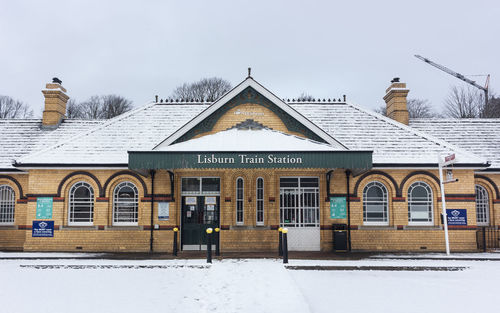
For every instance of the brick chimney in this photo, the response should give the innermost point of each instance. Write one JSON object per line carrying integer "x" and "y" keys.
{"x": 55, "y": 103}
{"x": 395, "y": 100}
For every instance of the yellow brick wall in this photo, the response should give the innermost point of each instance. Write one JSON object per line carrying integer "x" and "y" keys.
{"x": 103, "y": 236}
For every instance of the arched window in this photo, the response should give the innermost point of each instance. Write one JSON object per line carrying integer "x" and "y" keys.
{"x": 260, "y": 201}
{"x": 81, "y": 204}
{"x": 125, "y": 204}
{"x": 375, "y": 209}
{"x": 239, "y": 200}
{"x": 482, "y": 206}
{"x": 7, "y": 205}
{"x": 420, "y": 204}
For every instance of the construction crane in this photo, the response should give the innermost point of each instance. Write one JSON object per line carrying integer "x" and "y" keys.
{"x": 460, "y": 76}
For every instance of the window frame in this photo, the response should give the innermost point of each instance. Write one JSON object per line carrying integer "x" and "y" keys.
{"x": 238, "y": 201}
{"x": 259, "y": 200}
{"x": 429, "y": 203}
{"x": 8, "y": 204}
{"x": 385, "y": 202}
{"x": 135, "y": 202}
{"x": 71, "y": 203}
{"x": 485, "y": 203}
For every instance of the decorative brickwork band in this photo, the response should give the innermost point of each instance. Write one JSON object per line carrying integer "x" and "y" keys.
{"x": 108, "y": 181}
{"x": 227, "y": 199}
{"x": 462, "y": 227}
{"x": 398, "y": 199}
{"x": 274, "y": 227}
{"x": 22, "y": 200}
{"x": 16, "y": 183}
{"x": 102, "y": 199}
{"x": 354, "y": 227}
{"x": 391, "y": 179}
{"x": 401, "y": 227}
{"x": 492, "y": 183}
{"x": 459, "y": 198}
{"x": 224, "y": 227}
{"x": 92, "y": 176}
{"x": 272, "y": 199}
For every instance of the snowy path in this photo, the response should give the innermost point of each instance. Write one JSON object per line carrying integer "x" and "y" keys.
{"x": 256, "y": 286}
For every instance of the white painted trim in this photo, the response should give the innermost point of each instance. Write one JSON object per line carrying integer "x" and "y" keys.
{"x": 257, "y": 223}
{"x": 249, "y": 82}
{"x": 236, "y": 201}
{"x": 14, "y": 173}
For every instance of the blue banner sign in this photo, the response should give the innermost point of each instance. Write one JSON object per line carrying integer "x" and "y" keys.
{"x": 42, "y": 229}
{"x": 456, "y": 216}
{"x": 338, "y": 207}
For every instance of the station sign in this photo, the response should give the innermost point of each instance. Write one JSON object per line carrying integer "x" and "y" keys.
{"x": 42, "y": 229}
{"x": 457, "y": 216}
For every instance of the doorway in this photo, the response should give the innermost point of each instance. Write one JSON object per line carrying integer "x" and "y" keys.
{"x": 200, "y": 210}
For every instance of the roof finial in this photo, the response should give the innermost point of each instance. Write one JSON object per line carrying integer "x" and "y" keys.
{"x": 249, "y": 72}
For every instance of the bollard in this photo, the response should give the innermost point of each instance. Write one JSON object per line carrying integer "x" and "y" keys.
{"x": 209, "y": 245}
{"x": 217, "y": 241}
{"x": 176, "y": 230}
{"x": 285, "y": 245}
{"x": 280, "y": 242}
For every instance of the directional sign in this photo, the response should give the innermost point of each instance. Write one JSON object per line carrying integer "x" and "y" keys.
{"x": 338, "y": 207}
{"x": 44, "y": 207}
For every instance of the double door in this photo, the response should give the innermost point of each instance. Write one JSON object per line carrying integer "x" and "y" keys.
{"x": 198, "y": 214}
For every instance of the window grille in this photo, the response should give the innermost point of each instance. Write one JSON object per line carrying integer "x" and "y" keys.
{"x": 260, "y": 201}
{"x": 81, "y": 204}
{"x": 299, "y": 202}
{"x": 7, "y": 205}
{"x": 375, "y": 204}
{"x": 482, "y": 206}
{"x": 239, "y": 200}
{"x": 420, "y": 204}
{"x": 125, "y": 204}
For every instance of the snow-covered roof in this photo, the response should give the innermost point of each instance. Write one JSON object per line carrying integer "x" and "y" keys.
{"x": 346, "y": 125}
{"x": 479, "y": 136}
{"x": 20, "y": 137}
{"x": 392, "y": 142}
{"x": 249, "y": 140}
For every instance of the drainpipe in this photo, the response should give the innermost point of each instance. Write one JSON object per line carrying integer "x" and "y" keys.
{"x": 347, "y": 175}
{"x": 152, "y": 209}
{"x": 328, "y": 177}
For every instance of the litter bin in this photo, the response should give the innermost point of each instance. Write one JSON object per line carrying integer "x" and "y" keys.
{"x": 339, "y": 237}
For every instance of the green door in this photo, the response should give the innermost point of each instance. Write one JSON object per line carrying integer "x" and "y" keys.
{"x": 198, "y": 214}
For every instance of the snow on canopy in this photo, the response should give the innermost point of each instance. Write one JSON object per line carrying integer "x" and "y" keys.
{"x": 249, "y": 140}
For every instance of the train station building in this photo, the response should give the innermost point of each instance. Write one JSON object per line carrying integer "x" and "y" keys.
{"x": 248, "y": 163}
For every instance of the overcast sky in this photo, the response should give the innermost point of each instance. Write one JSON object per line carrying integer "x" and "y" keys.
{"x": 138, "y": 49}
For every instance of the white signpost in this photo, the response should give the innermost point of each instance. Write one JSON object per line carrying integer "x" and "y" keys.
{"x": 448, "y": 160}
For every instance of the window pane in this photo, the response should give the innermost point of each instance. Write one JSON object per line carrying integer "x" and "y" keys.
{"x": 289, "y": 182}
{"x": 210, "y": 184}
{"x": 191, "y": 184}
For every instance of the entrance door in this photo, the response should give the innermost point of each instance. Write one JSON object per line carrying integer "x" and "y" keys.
{"x": 299, "y": 212}
{"x": 200, "y": 210}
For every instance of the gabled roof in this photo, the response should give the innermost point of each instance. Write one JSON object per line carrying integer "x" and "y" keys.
{"x": 20, "y": 137}
{"x": 480, "y": 136}
{"x": 250, "y": 82}
{"x": 348, "y": 125}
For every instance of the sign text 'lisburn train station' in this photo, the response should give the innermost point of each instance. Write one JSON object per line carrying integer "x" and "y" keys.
{"x": 248, "y": 159}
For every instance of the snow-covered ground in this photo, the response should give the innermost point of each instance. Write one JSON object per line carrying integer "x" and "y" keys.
{"x": 255, "y": 285}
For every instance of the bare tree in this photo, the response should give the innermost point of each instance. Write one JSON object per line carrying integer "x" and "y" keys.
{"x": 417, "y": 108}
{"x": 304, "y": 96}
{"x": 492, "y": 109}
{"x": 464, "y": 102}
{"x": 10, "y": 108}
{"x": 98, "y": 107}
{"x": 420, "y": 108}
{"x": 206, "y": 89}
